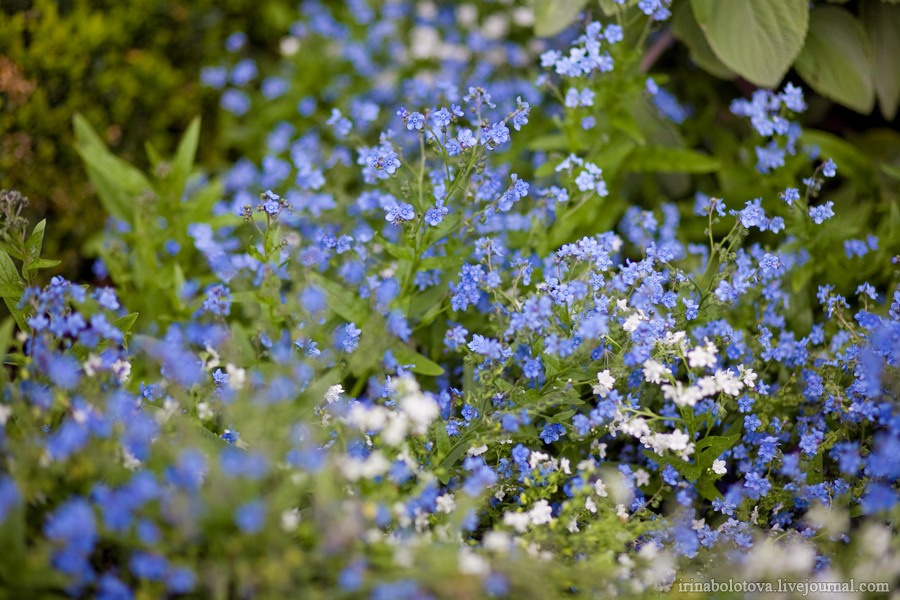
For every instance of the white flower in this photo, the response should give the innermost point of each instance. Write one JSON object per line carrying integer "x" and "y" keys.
{"x": 728, "y": 382}
{"x": 655, "y": 372}
{"x": 477, "y": 450}
{"x": 747, "y": 376}
{"x": 497, "y": 541}
{"x": 445, "y": 503}
{"x": 590, "y": 505}
{"x": 703, "y": 356}
{"x": 541, "y": 513}
{"x": 680, "y": 395}
{"x": 333, "y": 393}
{"x": 718, "y": 467}
{"x": 641, "y": 477}
{"x": 605, "y": 383}
{"x": 5, "y": 412}
{"x": 708, "y": 386}
{"x": 537, "y": 458}
{"x": 674, "y": 339}
{"x": 517, "y": 520}
{"x": 573, "y": 526}
{"x": 421, "y": 408}
{"x": 600, "y": 488}
{"x": 632, "y": 322}
{"x": 290, "y": 519}
{"x": 472, "y": 564}
{"x": 122, "y": 370}
{"x": 93, "y": 364}
{"x": 237, "y": 376}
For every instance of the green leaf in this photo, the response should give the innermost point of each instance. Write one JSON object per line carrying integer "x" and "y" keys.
{"x": 658, "y": 159}
{"x": 758, "y": 39}
{"x": 11, "y": 289}
{"x": 43, "y": 263}
{"x": 183, "y": 162}
{"x": 11, "y": 285}
{"x": 395, "y": 250}
{"x": 882, "y": 23}
{"x": 421, "y": 364}
{"x": 686, "y": 469}
{"x": 611, "y": 7}
{"x": 835, "y": 60}
{"x": 9, "y": 249}
{"x": 440, "y": 262}
{"x": 685, "y": 28}
{"x": 6, "y": 332}
{"x": 442, "y": 440}
{"x": 35, "y": 241}
{"x": 850, "y": 160}
{"x": 344, "y": 301}
{"x": 118, "y": 183}
{"x": 124, "y": 324}
{"x": 552, "y": 16}
{"x": 891, "y": 171}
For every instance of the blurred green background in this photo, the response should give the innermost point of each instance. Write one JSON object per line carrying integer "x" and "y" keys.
{"x": 131, "y": 68}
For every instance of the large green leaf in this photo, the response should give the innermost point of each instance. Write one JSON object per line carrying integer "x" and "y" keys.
{"x": 835, "y": 60}
{"x": 758, "y": 39}
{"x": 659, "y": 159}
{"x": 552, "y": 16}
{"x": 685, "y": 28}
{"x": 882, "y": 23}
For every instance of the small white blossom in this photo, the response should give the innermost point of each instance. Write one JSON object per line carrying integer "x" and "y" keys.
{"x": 445, "y": 503}
{"x": 600, "y": 488}
{"x": 290, "y": 519}
{"x": 747, "y": 376}
{"x": 641, "y": 477}
{"x": 718, "y": 467}
{"x": 541, "y": 513}
{"x": 728, "y": 382}
{"x": 517, "y": 520}
{"x": 703, "y": 356}
{"x": 655, "y": 372}
{"x": 477, "y": 450}
{"x": 605, "y": 383}
{"x": 333, "y": 393}
{"x": 472, "y": 564}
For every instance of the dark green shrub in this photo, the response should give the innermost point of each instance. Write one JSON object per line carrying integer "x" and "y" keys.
{"x": 131, "y": 66}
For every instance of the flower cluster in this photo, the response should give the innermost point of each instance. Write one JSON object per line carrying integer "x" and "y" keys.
{"x": 451, "y": 347}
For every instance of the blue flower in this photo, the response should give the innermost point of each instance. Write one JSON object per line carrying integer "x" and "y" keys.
{"x": 552, "y": 432}
{"x": 251, "y": 517}
{"x": 350, "y": 339}
{"x": 398, "y": 213}
{"x": 820, "y": 214}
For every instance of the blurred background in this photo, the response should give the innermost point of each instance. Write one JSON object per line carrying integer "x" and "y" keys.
{"x": 131, "y": 68}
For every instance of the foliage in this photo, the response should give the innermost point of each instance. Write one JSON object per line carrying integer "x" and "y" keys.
{"x": 126, "y": 66}
{"x": 541, "y": 328}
